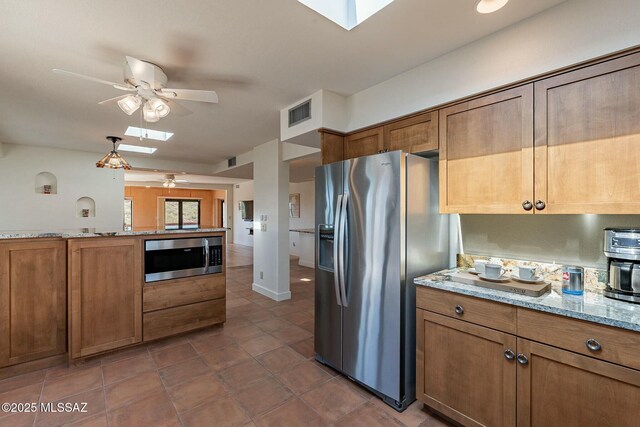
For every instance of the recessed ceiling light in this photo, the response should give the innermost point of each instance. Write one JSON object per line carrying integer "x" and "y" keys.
{"x": 148, "y": 133}
{"x": 347, "y": 13}
{"x": 136, "y": 149}
{"x": 488, "y": 6}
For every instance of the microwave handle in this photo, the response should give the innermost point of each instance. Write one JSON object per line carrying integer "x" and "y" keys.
{"x": 207, "y": 255}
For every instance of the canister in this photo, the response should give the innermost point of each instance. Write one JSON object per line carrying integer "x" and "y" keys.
{"x": 572, "y": 280}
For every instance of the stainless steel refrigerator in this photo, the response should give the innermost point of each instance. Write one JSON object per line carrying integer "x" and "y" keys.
{"x": 377, "y": 228}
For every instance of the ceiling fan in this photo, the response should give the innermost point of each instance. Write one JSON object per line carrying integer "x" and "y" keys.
{"x": 148, "y": 82}
{"x": 170, "y": 181}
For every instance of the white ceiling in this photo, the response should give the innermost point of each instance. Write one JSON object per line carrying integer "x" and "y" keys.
{"x": 259, "y": 55}
{"x": 301, "y": 169}
{"x": 153, "y": 177}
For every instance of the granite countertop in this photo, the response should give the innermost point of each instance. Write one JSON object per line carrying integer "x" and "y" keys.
{"x": 592, "y": 307}
{"x": 97, "y": 232}
{"x": 304, "y": 230}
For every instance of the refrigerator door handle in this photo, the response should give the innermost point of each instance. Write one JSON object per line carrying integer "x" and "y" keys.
{"x": 336, "y": 246}
{"x": 343, "y": 230}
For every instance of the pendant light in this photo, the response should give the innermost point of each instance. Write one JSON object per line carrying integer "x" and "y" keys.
{"x": 113, "y": 160}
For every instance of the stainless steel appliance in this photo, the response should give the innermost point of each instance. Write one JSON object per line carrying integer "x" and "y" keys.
{"x": 377, "y": 228}
{"x": 175, "y": 258}
{"x": 622, "y": 248}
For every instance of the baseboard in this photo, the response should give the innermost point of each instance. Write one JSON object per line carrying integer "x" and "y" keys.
{"x": 305, "y": 263}
{"x": 270, "y": 294}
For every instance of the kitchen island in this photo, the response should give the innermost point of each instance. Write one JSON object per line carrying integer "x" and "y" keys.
{"x": 78, "y": 293}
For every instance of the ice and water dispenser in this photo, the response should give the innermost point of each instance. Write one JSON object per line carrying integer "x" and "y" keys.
{"x": 325, "y": 247}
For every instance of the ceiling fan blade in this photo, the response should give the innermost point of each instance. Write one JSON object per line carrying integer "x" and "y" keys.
{"x": 112, "y": 100}
{"x": 142, "y": 71}
{"x": 120, "y": 86}
{"x": 177, "y": 108}
{"x": 191, "y": 95}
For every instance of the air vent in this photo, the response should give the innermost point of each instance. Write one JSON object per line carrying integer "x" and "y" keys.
{"x": 300, "y": 113}
{"x": 231, "y": 162}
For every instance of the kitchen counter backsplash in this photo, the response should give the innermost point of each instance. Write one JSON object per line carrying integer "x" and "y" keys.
{"x": 594, "y": 279}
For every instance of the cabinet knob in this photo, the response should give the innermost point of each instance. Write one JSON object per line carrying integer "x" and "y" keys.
{"x": 527, "y": 205}
{"x": 522, "y": 359}
{"x": 459, "y": 310}
{"x": 509, "y": 354}
{"x": 593, "y": 344}
{"x": 540, "y": 205}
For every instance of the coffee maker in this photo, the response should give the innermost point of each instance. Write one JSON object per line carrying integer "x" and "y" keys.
{"x": 622, "y": 248}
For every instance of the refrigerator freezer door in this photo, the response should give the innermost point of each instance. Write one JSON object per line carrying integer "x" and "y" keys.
{"x": 328, "y": 312}
{"x": 372, "y": 318}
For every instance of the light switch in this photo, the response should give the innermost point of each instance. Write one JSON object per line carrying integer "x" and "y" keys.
{"x": 263, "y": 227}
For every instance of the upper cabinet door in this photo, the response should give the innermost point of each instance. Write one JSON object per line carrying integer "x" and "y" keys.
{"x": 363, "y": 143}
{"x": 486, "y": 154}
{"x": 413, "y": 135}
{"x": 587, "y": 155}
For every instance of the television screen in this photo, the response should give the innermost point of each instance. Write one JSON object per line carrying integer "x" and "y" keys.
{"x": 246, "y": 208}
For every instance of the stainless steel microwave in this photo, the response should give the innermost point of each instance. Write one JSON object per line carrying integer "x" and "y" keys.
{"x": 182, "y": 257}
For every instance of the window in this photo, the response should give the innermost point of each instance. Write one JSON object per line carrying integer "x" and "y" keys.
{"x": 181, "y": 214}
{"x": 128, "y": 214}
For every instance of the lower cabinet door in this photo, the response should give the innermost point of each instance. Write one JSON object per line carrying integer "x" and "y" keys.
{"x": 465, "y": 371}
{"x": 105, "y": 294}
{"x": 560, "y": 388}
{"x": 33, "y": 295}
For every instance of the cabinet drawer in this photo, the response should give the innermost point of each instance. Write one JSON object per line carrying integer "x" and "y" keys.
{"x": 172, "y": 293}
{"x": 486, "y": 313}
{"x": 616, "y": 345}
{"x": 171, "y": 321}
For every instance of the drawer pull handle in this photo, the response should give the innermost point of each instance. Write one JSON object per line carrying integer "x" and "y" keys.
{"x": 509, "y": 354}
{"x": 522, "y": 359}
{"x": 593, "y": 344}
{"x": 459, "y": 310}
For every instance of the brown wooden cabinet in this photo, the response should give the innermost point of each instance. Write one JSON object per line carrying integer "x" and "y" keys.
{"x": 105, "y": 300}
{"x": 462, "y": 371}
{"x": 32, "y": 300}
{"x": 415, "y": 134}
{"x": 546, "y": 374}
{"x": 558, "y": 387}
{"x": 588, "y": 139}
{"x": 363, "y": 143}
{"x": 331, "y": 146}
{"x": 486, "y": 154}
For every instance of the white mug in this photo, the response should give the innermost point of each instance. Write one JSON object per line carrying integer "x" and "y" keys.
{"x": 526, "y": 272}
{"x": 493, "y": 271}
{"x": 478, "y": 265}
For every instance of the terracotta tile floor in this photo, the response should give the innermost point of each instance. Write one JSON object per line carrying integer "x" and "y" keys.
{"x": 257, "y": 369}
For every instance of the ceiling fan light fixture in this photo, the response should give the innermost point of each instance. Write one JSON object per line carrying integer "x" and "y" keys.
{"x": 489, "y": 6}
{"x": 113, "y": 160}
{"x": 160, "y": 107}
{"x": 130, "y": 104}
{"x": 149, "y": 113}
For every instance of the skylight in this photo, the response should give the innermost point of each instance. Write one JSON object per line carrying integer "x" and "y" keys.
{"x": 148, "y": 133}
{"x": 136, "y": 149}
{"x": 346, "y": 13}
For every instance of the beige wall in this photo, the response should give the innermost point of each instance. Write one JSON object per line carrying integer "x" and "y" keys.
{"x": 566, "y": 239}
